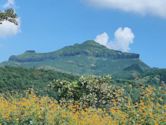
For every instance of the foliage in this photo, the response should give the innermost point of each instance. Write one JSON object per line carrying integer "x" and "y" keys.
{"x": 156, "y": 73}
{"x": 20, "y": 79}
{"x": 61, "y": 99}
{"x": 89, "y": 91}
{"x": 35, "y": 110}
{"x": 9, "y": 15}
{"x": 99, "y": 91}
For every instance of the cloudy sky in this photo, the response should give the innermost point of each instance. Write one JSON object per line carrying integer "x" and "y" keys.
{"x": 137, "y": 26}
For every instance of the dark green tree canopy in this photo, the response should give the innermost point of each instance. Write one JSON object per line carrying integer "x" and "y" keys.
{"x": 8, "y": 15}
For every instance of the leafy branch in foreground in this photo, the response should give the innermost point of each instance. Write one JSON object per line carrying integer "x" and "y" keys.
{"x": 8, "y": 15}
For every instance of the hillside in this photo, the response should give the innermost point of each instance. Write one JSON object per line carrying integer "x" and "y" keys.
{"x": 82, "y": 59}
{"x": 20, "y": 79}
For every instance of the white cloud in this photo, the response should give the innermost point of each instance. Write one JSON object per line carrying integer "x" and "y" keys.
{"x": 102, "y": 39}
{"x": 9, "y": 4}
{"x": 9, "y": 29}
{"x": 152, "y": 7}
{"x": 123, "y": 39}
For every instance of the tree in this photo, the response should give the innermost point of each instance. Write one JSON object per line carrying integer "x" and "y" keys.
{"x": 8, "y": 15}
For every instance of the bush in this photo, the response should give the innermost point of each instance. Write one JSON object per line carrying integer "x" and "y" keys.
{"x": 89, "y": 91}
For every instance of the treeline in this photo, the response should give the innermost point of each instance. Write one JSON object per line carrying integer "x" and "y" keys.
{"x": 20, "y": 79}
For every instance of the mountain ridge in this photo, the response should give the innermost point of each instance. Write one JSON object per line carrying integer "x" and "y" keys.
{"x": 88, "y": 48}
{"x": 87, "y": 58}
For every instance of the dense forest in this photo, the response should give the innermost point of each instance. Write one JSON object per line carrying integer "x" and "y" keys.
{"x": 20, "y": 79}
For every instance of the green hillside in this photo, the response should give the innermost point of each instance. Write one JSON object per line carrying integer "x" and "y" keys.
{"x": 20, "y": 79}
{"x": 83, "y": 59}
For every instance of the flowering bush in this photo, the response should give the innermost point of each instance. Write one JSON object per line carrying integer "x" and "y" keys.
{"x": 88, "y": 101}
{"x": 97, "y": 92}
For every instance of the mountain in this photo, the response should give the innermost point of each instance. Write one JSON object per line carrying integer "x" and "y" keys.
{"x": 82, "y": 59}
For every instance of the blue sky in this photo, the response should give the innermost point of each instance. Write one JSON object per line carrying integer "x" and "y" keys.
{"x": 48, "y": 25}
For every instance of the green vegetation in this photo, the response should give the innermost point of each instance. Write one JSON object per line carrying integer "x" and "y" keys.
{"x": 8, "y": 15}
{"x": 98, "y": 91}
{"x": 20, "y": 79}
{"x": 88, "y": 48}
{"x": 48, "y": 88}
{"x": 72, "y": 88}
{"x": 83, "y": 59}
{"x": 87, "y": 100}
